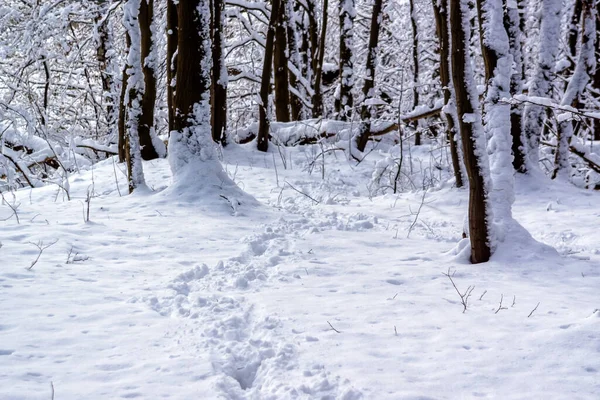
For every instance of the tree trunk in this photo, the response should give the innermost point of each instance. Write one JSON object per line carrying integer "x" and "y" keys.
{"x": 172, "y": 38}
{"x": 262, "y": 139}
{"x": 280, "y": 66}
{"x": 121, "y": 146}
{"x": 146, "y": 118}
{"x": 191, "y": 148}
{"x": 317, "y": 99}
{"x": 102, "y": 46}
{"x": 415, "y": 59}
{"x": 495, "y": 50}
{"x": 219, "y": 75}
{"x": 541, "y": 83}
{"x": 584, "y": 68}
{"x": 440, "y": 8}
{"x": 596, "y": 78}
{"x": 344, "y": 103}
{"x": 514, "y": 23}
{"x": 473, "y": 140}
{"x": 369, "y": 85}
{"x": 134, "y": 95}
{"x": 295, "y": 60}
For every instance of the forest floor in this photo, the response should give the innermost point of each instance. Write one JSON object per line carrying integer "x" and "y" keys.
{"x": 322, "y": 290}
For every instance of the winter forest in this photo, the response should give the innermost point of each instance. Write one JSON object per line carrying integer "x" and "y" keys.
{"x": 299, "y": 199}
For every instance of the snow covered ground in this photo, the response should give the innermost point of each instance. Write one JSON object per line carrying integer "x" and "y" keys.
{"x": 319, "y": 291}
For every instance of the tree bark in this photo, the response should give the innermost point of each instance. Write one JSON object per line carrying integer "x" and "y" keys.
{"x": 317, "y": 99}
{"x": 584, "y": 68}
{"x": 440, "y": 8}
{"x": 596, "y": 78}
{"x": 415, "y": 60}
{"x": 146, "y": 118}
{"x": 295, "y": 59}
{"x": 344, "y": 103}
{"x": 514, "y": 23}
{"x": 469, "y": 123}
{"x": 280, "y": 66}
{"x": 219, "y": 75}
{"x": 121, "y": 145}
{"x": 369, "y": 85}
{"x": 262, "y": 138}
{"x": 172, "y": 39}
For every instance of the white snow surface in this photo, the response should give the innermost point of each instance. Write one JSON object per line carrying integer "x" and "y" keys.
{"x": 169, "y": 296}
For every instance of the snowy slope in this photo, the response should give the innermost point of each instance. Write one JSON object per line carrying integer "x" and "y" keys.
{"x": 317, "y": 291}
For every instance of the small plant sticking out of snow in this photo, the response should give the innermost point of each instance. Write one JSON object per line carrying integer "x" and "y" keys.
{"x": 464, "y": 297}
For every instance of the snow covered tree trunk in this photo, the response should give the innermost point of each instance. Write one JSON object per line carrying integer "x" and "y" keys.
{"x": 191, "y": 148}
{"x": 344, "y": 102}
{"x": 584, "y": 68}
{"x": 572, "y": 35}
{"x": 317, "y": 98}
{"x": 496, "y": 115}
{"x": 514, "y": 23}
{"x": 415, "y": 61}
{"x": 148, "y": 91}
{"x": 133, "y": 96}
{"x": 121, "y": 146}
{"x": 440, "y": 9}
{"x": 280, "y": 66}
{"x": 541, "y": 82}
{"x": 171, "y": 61}
{"x": 596, "y": 78}
{"x": 219, "y": 75}
{"x": 473, "y": 137}
{"x": 296, "y": 89}
{"x": 369, "y": 86}
{"x": 264, "y": 124}
{"x": 103, "y": 45}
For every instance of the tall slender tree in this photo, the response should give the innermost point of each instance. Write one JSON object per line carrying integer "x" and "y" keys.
{"x": 369, "y": 86}
{"x": 171, "y": 61}
{"x": 280, "y": 66}
{"x": 472, "y": 134}
{"x": 543, "y": 76}
{"x": 344, "y": 102}
{"x": 219, "y": 74}
{"x": 317, "y": 98}
{"x": 514, "y": 23}
{"x": 440, "y": 8}
{"x": 584, "y": 68}
{"x": 415, "y": 61}
{"x": 148, "y": 92}
{"x": 264, "y": 124}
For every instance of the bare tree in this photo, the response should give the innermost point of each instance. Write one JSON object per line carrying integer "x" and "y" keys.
{"x": 171, "y": 61}
{"x": 584, "y": 68}
{"x": 471, "y": 130}
{"x": 317, "y": 99}
{"x": 440, "y": 8}
{"x": 219, "y": 74}
{"x": 369, "y": 85}
{"x": 280, "y": 65}
{"x": 344, "y": 103}
{"x": 264, "y": 124}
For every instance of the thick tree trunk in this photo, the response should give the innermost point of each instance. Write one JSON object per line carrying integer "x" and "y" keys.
{"x": 495, "y": 49}
{"x": 172, "y": 38}
{"x": 473, "y": 140}
{"x": 146, "y": 118}
{"x": 369, "y": 85}
{"x": 317, "y": 99}
{"x": 264, "y": 124}
{"x": 219, "y": 75}
{"x": 280, "y": 66}
{"x": 440, "y": 8}
{"x": 344, "y": 103}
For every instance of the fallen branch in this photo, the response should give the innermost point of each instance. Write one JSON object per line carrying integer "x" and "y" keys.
{"x": 41, "y": 248}
{"x": 333, "y": 327}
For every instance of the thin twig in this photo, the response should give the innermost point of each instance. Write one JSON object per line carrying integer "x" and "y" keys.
{"x": 464, "y": 297}
{"x": 532, "y": 311}
{"x": 41, "y": 248}
{"x": 333, "y": 327}
{"x": 302, "y": 193}
{"x": 482, "y": 294}
{"x": 500, "y": 306}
